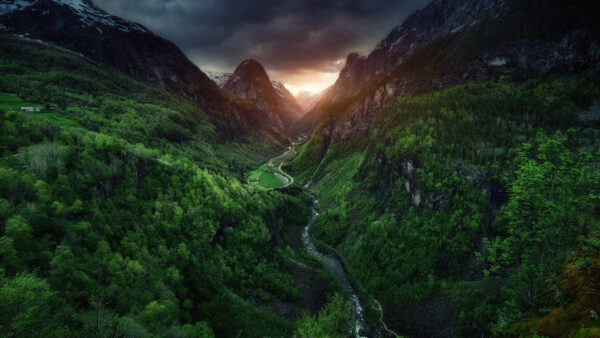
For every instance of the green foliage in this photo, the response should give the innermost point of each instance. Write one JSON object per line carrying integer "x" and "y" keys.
{"x": 549, "y": 207}
{"x": 26, "y": 308}
{"x": 489, "y": 182}
{"x": 122, "y": 214}
{"x": 334, "y": 320}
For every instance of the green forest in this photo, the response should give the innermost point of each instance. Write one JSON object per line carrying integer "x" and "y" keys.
{"x": 418, "y": 209}
{"x": 125, "y": 211}
{"x": 122, "y": 214}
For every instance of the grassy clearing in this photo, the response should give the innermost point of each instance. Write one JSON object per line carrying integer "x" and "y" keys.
{"x": 12, "y": 102}
{"x": 54, "y": 118}
{"x": 266, "y": 177}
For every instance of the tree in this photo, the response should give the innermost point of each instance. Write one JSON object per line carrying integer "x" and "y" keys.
{"x": 26, "y": 307}
{"x": 20, "y": 231}
{"x": 549, "y": 207}
{"x": 334, "y": 320}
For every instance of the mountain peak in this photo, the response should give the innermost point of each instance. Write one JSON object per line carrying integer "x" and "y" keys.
{"x": 9, "y": 6}
{"x": 249, "y": 74}
{"x": 251, "y": 69}
{"x": 250, "y": 81}
{"x": 251, "y": 63}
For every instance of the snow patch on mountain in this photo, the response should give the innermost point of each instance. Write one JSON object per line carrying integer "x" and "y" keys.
{"x": 92, "y": 15}
{"x": 89, "y": 13}
{"x": 220, "y": 78}
{"x": 279, "y": 88}
{"x": 9, "y": 6}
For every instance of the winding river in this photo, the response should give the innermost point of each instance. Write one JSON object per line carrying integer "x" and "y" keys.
{"x": 333, "y": 264}
{"x": 330, "y": 261}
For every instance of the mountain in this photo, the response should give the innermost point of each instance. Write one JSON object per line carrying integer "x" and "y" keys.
{"x": 81, "y": 26}
{"x": 456, "y": 172}
{"x": 250, "y": 81}
{"x": 307, "y": 100}
{"x": 288, "y": 100}
{"x": 459, "y": 41}
{"x": 137, "y": 199}
{"x": 220, "y": 78}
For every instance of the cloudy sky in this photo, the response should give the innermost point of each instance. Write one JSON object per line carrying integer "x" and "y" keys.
{"x": 302, "y": 43}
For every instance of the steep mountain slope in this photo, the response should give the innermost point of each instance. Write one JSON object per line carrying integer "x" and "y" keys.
{"x": 250, "y": 81}
{"x": 452, "y": 42}
{"x": 123, "y": 212}
{"x": 455, "y": 206}
{"x": 457, "y": 164}
{"x": 288, "y": 100}
{"x": 80, "y": 26}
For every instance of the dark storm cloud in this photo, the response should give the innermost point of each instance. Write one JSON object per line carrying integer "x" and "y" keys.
{"x": 285, "y": 35}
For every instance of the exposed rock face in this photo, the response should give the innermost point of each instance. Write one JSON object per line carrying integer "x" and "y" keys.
{"x": 441, "y": 17}
{"x": 287, "y": 100}
{"x": 433, "y": 49}
{"x": 81, "y": 26}
{"x": 250, "y": 81}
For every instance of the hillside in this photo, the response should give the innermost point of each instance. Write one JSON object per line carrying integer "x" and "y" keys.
{"x": 82, "y": 27}
{"x": 446, "y": 185}
{"x": 122, "y": 212}
{"x": 251, "y": 82}
{"x": 457, "y": 175}
{"x": 431, "y": 208}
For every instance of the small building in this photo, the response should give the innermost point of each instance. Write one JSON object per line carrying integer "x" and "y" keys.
{"x": 31, "y": 109}
{"x": 253, "y": 181}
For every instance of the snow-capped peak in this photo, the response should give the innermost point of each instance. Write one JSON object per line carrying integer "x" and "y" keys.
{"x": 220, "y": 78}
{"x": 91, "y": 14}
{"x": 9, "y": 6}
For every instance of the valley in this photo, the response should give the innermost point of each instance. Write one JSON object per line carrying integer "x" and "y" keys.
{"x": 445, "y": 184}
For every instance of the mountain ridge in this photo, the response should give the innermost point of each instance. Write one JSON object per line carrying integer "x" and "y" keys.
{"x": 81, "y": 26}
{"x": 463, "y": 46}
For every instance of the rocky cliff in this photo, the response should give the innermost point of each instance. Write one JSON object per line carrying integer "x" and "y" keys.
{"x": 251, "y": 82}
{"x": 459, "y": 41}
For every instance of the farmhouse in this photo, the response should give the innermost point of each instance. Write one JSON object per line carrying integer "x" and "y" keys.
{"x": 31, "y": 109}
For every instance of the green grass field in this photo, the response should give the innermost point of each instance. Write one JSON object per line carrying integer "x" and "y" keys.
{"x": 11, "y": 102}
{"x": 54, "y": 118}
{"x": 266, "y": 178}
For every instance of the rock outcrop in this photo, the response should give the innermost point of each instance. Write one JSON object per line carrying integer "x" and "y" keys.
{"x": 251, "y": 82}
{"x": 452, "y": 42}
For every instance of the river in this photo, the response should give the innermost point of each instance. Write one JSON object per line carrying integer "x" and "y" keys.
{"x": 333, "y": 264}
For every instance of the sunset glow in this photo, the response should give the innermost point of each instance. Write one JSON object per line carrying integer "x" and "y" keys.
{"x": 311, "y": 82}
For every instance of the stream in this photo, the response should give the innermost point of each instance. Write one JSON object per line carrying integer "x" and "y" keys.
{"x": 330, "y": 261}
{"x": 333, "y": 264}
